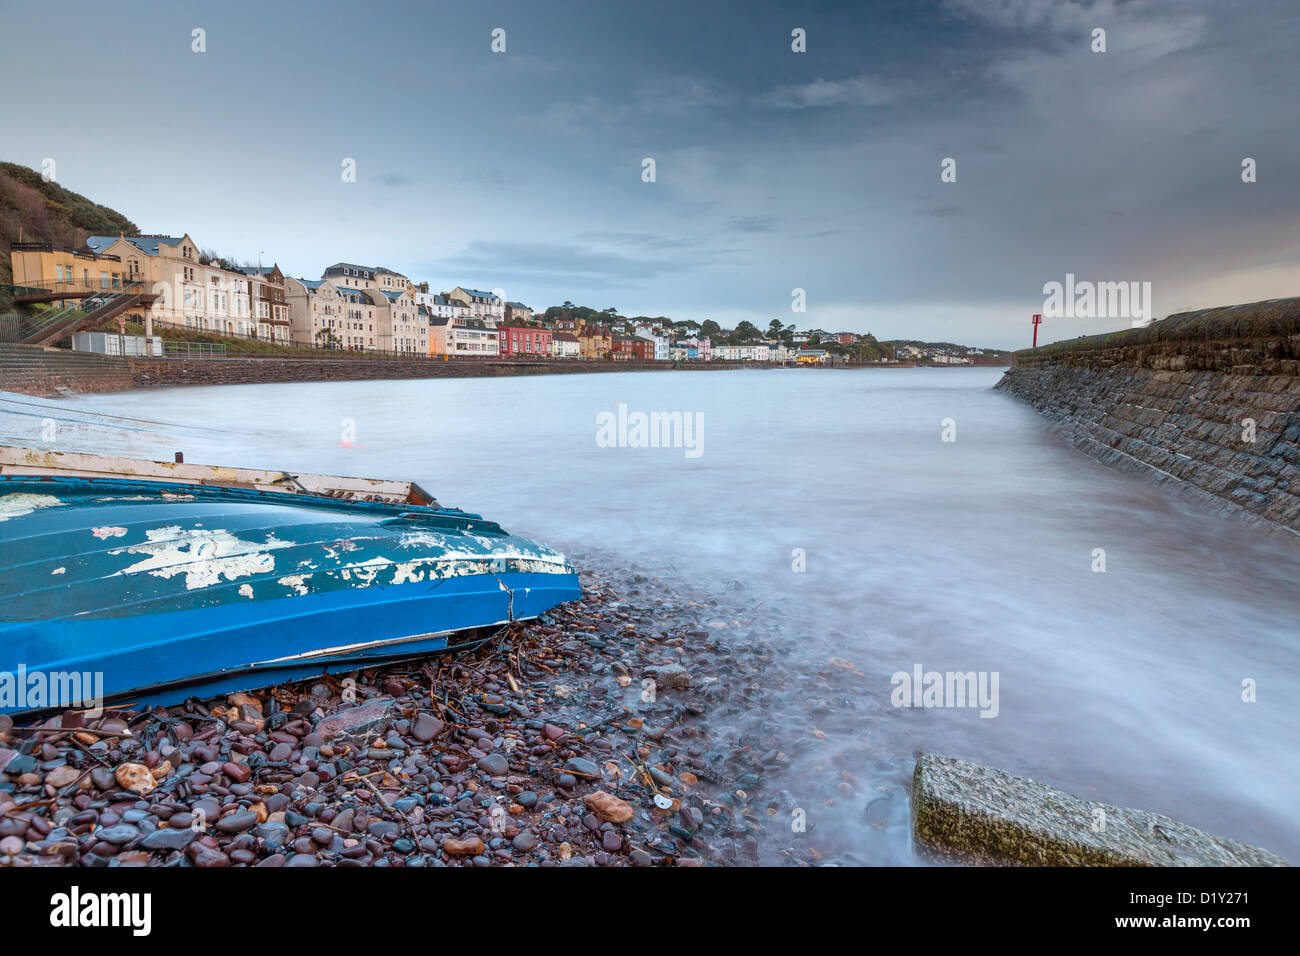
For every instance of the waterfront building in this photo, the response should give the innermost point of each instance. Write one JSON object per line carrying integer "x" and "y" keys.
{"x": 49, "y": 265}
{"x": 316, "y": 311}
{"x": 481, "y": 305}
{"x": 352, "y": 276}
{"x": 398, "y": 322}
{"x": 438, "y": 304}
{"x": 271, "y": 309}
{"x": 523, "y": 341}
{"x": 518, "y": 312}
{"x": 565, "y": 345}
{"x": 360, "y": 318}
{"x": 595, "y": 341}
{"x": 463, "y": 336}
{"x": 660, "y": 339}
{"x": 189, "y": 290}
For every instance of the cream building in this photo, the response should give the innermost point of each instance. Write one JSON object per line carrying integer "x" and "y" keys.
{"x": 362, "y": 327}
{"x": 486, "y": 306}
{"x": 399, "y": 322}
{"x": 462, "y": 336}
{"x": 319, "y": 315}
{"x": 190, "y": 291}
{"x": 352, "y": 276}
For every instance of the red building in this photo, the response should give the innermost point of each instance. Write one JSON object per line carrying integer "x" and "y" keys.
{"x": 521, "y": 341}
{"x": 643, "y": 348}
{"x": 632, "y": 348}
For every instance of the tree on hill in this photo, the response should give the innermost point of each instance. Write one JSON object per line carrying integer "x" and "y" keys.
{"x": 709, "y": 329}
{"x": 41, "y": 211}
{"x": 745, "y": 331}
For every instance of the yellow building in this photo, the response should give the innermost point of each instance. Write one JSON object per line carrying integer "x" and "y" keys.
{"x": 48, "y": 265}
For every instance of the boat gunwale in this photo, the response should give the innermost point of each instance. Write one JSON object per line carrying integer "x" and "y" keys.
{"x": 215, "y": 492}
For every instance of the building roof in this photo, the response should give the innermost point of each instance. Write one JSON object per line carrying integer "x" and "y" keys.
{"x": 563, "y": 337}
{"x": 518, "y": 305}
{"x": 479, "y": 293}
{"x": 342, "y": 266}
{"x": 146, "y": 244}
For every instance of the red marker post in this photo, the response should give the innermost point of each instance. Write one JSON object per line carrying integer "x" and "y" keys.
{"x": 1038, "y": 320}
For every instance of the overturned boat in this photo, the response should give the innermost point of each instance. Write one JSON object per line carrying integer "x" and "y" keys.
{"x": 139, "y": 582}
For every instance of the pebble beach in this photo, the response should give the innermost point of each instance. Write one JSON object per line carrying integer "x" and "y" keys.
{"x": 633, "y": 728}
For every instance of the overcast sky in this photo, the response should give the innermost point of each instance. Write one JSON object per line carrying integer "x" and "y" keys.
{"x": 775, "y": 170}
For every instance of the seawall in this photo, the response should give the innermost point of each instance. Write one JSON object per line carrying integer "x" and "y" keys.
{"x": 33, "y": 370}
{"x": 1209, "y": 400}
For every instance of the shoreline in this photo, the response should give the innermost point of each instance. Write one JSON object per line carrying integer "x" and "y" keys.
{"x": 640, "y": 726}
{"x": 540, "y": 748}
{"x": 50, "y": 373}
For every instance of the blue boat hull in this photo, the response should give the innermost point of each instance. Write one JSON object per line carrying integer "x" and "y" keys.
{"x": 150, "y": 596}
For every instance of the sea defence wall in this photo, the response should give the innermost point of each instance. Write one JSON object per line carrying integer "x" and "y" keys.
{"x": 33, "y": 370}
{"x": 1207, "y": 399}
{"x": 151, "y": 372}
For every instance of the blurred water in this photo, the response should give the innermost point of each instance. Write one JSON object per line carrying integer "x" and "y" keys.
{"x": 1123, "y": 686}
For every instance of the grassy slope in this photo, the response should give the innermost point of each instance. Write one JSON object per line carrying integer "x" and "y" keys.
{"x": 46, "y": 212}
{"x": 1273, "y": 317}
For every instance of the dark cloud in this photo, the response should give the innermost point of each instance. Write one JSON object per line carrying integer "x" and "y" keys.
{"x": 775, "y": 169}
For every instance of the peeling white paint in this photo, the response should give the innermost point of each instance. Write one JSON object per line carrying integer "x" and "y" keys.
{"x": 408, "y": 571}
{"x": 21, "y": 503}
{"x": 456, "y": 547}
{"x": 246, "y": 590}
{"x": 297, "y": 582}
{"x": 108, "y": 532}
{"x": 366, "y": 571}
{"x": 59, "y": 571}
{"x": 204, "y": 556}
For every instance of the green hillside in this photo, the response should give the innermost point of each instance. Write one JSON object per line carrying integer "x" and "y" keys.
{"x": 39, "y": 211}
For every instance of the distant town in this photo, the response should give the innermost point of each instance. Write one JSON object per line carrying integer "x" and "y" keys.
{"x": 364, "y": 308}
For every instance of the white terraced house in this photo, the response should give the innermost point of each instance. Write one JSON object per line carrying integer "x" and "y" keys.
{"x": 439, "y": 306}
{"x": 462, "y": 336}
{"x": 482, "y": 305}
